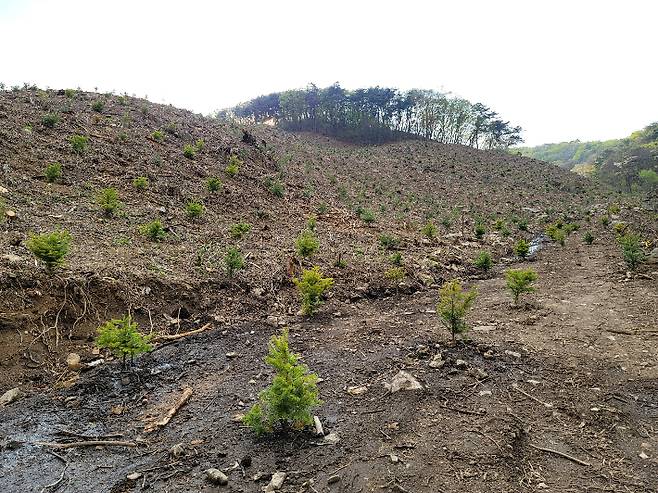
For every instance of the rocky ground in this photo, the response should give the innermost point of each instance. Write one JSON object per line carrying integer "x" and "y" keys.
{"x": 556, "y": 395}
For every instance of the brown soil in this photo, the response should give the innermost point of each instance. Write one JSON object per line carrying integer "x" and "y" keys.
{"x": 584, "y": 384}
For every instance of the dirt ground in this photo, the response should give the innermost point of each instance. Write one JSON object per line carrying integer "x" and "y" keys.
{"x": 558, "y": 395}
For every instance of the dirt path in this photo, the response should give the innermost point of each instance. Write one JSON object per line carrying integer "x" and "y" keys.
{"x": 566, "y": 384}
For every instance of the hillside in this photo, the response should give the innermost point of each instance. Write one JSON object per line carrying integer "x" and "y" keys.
{"x": 586, "y": 337}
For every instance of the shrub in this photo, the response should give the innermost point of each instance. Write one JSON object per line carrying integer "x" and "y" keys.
{"x": 620, "y": 228}
{"x": 79, "y": 143}
{"x": 429, "y": 230}
{"x": 141, "y": 183}
{"x": 158, "y": 135}
{"x": 522, "y": 248}
{"x": 289, "y": 401}
{"x": 108, "y": 200}
{"x": 605, "y": 220}
{"x": 121, "y": 337}
{"x": 98, "y": 105}
{"x": 213, "y": 184}
{"x": 453, "y": 305}
{"x": 367, "y": 216}
{"x": 153, "y": 230}
{"x": 483, "y": 261}
{"x": 233, "y": 260}
{"x": 505, "y": 231}
{"x": 520, "y": 281}
{"x": 199, "y": 145}
{"x": 479, "y": 230}
{"x": 50, "y": 248}
{"x": 49, "y": 120}
{"x": 189, "y": 151}
{"x": 556, "y": 232}
{"x": 322, "y": 208}
{"x": 275, "y": 187}
{"x": 614, "y": 209}
{"x": 395, "y": 274}
{"x": 396, "y": 258}
{"x": 311, "y": 287}
{"x": 588, "y": 238}
{"x": 306, "y": 244}
{"x": 631, "y": 250}
{"x": 233, "y": 166}
{"x": 387, "y": 241}
{"x": 53, "y": 172}
{"x": 311, "y": 222}
{"x": 240, "y": 229}
{"x": 523, "y": 224}
{"x": 69, "y": 93}
{"x": 499, "y": 224}
{"x": 193, "y": 209}
{"x": 446, "y": 222}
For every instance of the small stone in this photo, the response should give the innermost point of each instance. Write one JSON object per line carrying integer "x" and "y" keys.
{"x": 259, "y": 476}
{"x": 232, "y": 354}
{"x": 11, "y": 396}
{"x": 643, "y": 455}
{"x": 73, "y": 361}
{"x": 10, "y": 215}
{"x": 403, "y": 381}
{"x": 134, "y": 476}
{"x": 177, "y": 450}
{"x": 460, "y": 363}
{"x": 332, "y": 438}
{"x": 512, "y": 353}
{"x": 357, "y": 389}
{"x": 488, "y": 354}
{"x": 333, "y": 479}
{"x": 437, "y": 361}
{"x": 216, "y": 476}
{"x": 12, "y": 259}
{"x": 3, "y": 191}
{"x": 480, "y": 374}
{"x": 394, "y": 458}
{"x": 482, "y": 393}
{"x": 276, "y": 482}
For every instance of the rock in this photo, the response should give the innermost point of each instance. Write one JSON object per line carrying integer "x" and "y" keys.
{"x": 437, "y": 361}
{"x": 232, "y": 354}
{"x": 276, "y": 482}
{"x": 177, "y": 450}
{"x": 488, "y": 354}
{"x": 318, "y": 426}
{"x": 460, "y": 363}
{"x": 333, "y": 479}
{"x": 332, "y": 438}
{"x": 394, "y": 458}
{"x": 357, "y": 389}
{"x": 403, "y": 381}
{"x": 11, "y": 215}
{"x": 482, "y": 393}
{"x": 259, "y": 476}
{"x": 643, "y": 455}
{"x": 12, "y": 259}
{"x": 215, "y": 476}
{"x": 3, "y": 191}
{"x": 11, "y": 396}
{"x": 73, "y": 361}
{"x": 479, "y": 373}
{"x": 484, "y": 328}
{"x": 512, "y": 353}
{"x": 134, "y": 476}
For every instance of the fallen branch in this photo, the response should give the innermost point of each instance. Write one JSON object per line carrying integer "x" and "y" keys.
{"x": 463, "y": 411}
{"x": 88, "y": 443}
{"x": 187, "y": 393}
{"x": 518, "y": 389}
{"x": 173, "y": 337}
{"x": 61, "y": 476}
{"x": 561, "y": 454}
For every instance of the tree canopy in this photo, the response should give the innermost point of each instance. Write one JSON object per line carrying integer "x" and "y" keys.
{"x": 378, "y": 114}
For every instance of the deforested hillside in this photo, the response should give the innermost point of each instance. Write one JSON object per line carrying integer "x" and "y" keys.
{"x": 205, "y": 233}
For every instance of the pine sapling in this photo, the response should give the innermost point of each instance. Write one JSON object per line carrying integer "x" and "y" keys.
{"x": 454, "y": 302}
{"x": 312, "y": 286}
{"x": 520, "y": 281}
{"x": 121, "y": 337}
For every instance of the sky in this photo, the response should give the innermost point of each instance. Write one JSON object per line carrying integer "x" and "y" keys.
{"x": 563, "y": 70}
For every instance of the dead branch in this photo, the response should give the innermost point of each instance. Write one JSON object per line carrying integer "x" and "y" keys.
{"x": 518, "y": 389}
{"x": 561, "y": 454}
{"x": 187, "y": 393}
{"x": 88, "y": 443}
{"x": 173, "y": 337}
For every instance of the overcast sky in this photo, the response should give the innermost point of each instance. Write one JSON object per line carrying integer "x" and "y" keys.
{"x": 562, "y": 69}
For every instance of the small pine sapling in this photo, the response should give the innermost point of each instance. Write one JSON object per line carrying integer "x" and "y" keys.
{"x": 429, "y": 230}
{"x": 522, "y": 248}
{"x": 631, "y": 250}
{"x": 238, "y": 230}
{"x": 121, "y": 337}
{"x": 287, "y": 404}
{"x": 479, "y": 230}
{"x": 49, "y": 120}
{"x": 311, "y": 287}
{"x": 454, "y": 302}
{"x": 306, "y": 244}
{"x": 108, "y": 200}
{"x": 189, "y": 151}
{"x": 234, "y": 261}
{"x": 141, "y": 183}
{"x": 588, "y": 238}
{"x": 520, "y": 281}
{"x": 233, "y": 166}
{"x": 53, "y": 172}
{"x": 483, "y": 261}
{"x": 193, "y": 209}
{"x": 214, "y": 184}
{"x": 154, "y": 230}
{"x": 79, "y": 143}
{"x": 50, "y": 248}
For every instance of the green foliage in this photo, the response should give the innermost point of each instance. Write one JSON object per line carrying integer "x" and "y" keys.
{"x": 523, "y": 225}
{"x": 158, "y": 135}
{"x": 588, "y": 238}
{"x": 483, "y": 261}
{"x": 53, "y": 172}
{"x": 395, "y": 274}
{"x": 322, "y": 208}
{"x": 49, "y": 120}
{"x": 50, "y": 248}
{"x": 108, "y": 200}
{"x": 614, "y": 209}
{"x": 311, "y": 222}
{"x": 429, "y": 230}
{"x": 79, "y": 143}
{"x": 620, "y": 228}
{"x": 366, "y": 215}
{"x": 522, "y": 248}
{"x": 520, "y": 281}
{"x": 199, "y": 145}
{"x": 233, "y": 261}
{"x": 213, "y": 184}
{"x": 306, "y": 244}
{"x": 387, "y": 241}
{"x": 70, "y": 93}
{"x": 240, "y": 229}
{"x": 121, "y": 337}
{"x": 479, "y": 230}
{"x": 189, "y": 151}
{"x": 446, "y": 222}
{"x": 154, "y": 230}
{"x": 141, "y": 183}
{"x": 98, "y": 105}
{"x": 649, "y": 177}
{"x": 289, "y": 401}
{"x": 233, "y": 166}
{"x": 556, "y": 232}
{"x": 396, "y": 258}
{"x": 311, "y": 287}
{"x": 453, "y": 305}
{"x": 499, "y": 224}
{"x": 193, "y": 209}
{"x": 631, "y": 250}
{"x": 605, "y": 220}
{"x": 275, "y": 187}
